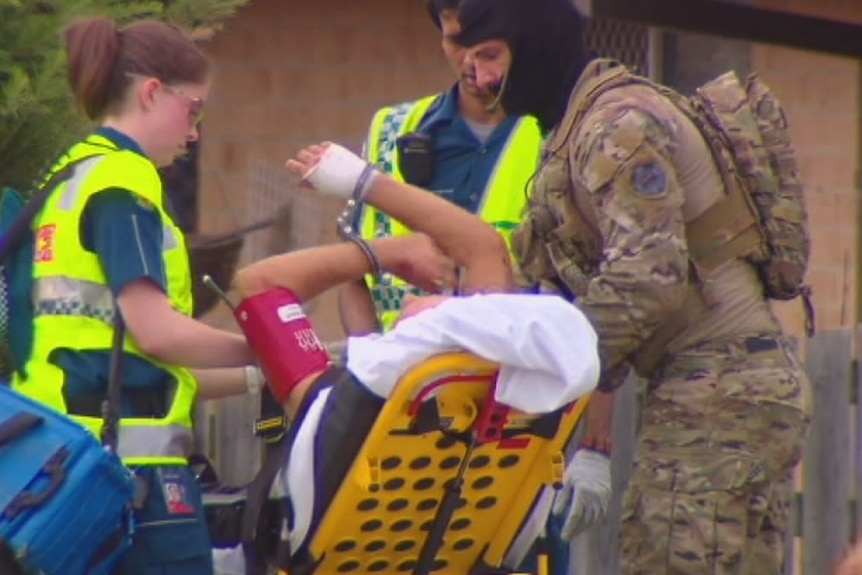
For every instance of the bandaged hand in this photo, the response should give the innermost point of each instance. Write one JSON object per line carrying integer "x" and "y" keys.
{"x": 333, "y": 170}
{"x": 586, "y": 492}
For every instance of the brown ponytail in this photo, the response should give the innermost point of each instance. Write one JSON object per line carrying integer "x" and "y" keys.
{"x": 92, "y": 47}
{"x": 102, "y": 59}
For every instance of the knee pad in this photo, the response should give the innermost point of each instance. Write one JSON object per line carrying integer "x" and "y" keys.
{"x": 282, "y": 338}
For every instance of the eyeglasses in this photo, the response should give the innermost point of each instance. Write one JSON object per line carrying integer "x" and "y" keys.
{"x": 195, "y": 105}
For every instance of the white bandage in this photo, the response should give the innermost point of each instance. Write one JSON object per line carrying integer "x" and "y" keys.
{"x": 253, "y": 379}
{"x": 341, "y": 173}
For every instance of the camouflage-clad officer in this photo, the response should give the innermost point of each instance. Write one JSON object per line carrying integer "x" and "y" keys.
{"x": 625, "y": 175}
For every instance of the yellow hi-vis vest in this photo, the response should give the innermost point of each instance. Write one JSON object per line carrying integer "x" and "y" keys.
{"x": 503, "y": 200}
{"x": 74, "y": 307}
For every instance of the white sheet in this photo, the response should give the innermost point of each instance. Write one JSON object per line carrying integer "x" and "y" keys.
{"x": 546, "y": 348}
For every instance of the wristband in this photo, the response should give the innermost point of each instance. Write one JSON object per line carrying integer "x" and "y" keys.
{"x": 283, "y": 340}
{"x": 363, "y": 184}
{"x": 345, "y": 231}
{"x": 376, "y": 269}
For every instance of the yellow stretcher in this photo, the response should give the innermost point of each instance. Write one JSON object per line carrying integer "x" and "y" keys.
{"x": 445, "y": 480}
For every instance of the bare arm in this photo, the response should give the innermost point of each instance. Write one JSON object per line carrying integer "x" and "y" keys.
{"x": 220, "y": 383}
{"x": 168, "y": 336}
{"x": 356, "y": 309}
{"x": 310, "y": 272}
{"x": 464, "y": 237}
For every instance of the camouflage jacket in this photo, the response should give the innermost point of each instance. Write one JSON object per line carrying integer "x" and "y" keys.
{"x": 609, "y": 168}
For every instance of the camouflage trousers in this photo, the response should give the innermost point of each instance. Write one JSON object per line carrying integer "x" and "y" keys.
{"x": 723, "y": 429}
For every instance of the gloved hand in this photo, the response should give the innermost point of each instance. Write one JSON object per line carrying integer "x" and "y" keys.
{"x": 586, "y": 492}
{"x": 333, "y": 170}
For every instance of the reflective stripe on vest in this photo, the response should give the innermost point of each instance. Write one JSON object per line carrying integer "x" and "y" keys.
{"x": 79, "y": 176}
{"x": 139, "y": 442}
{"x": 59, "y": 295}
{"x": 74, "y": 307}
{"x": 503, "y": 200}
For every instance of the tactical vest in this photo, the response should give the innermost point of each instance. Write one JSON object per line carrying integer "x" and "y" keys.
{"x": 761, "y": 219}
{"x": 74, "y": 307}
{"x": 503, "y": 200}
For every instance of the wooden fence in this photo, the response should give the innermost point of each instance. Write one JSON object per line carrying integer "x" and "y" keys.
{"x": 825, "y": 513}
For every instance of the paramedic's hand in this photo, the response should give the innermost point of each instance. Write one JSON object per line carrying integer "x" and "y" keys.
{"x": 333, "y": 170}
{"x": 586, "y": 492}
{"x": 423, "y": 264}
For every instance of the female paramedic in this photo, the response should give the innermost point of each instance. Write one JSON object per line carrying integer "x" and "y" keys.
{"x": 546, "y": 348}
{"x": 107, "y": 235}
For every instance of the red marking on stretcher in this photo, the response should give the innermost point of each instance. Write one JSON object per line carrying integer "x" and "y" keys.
{"x": 514, "y": 443}
{"x": 493, "y": 418}
{"x": 428, "y": 390}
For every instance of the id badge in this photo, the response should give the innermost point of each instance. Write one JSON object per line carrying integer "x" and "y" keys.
{"x": 176, "y": 490}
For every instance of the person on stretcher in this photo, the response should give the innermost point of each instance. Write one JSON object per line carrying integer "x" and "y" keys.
{"x": 545, "y": 347}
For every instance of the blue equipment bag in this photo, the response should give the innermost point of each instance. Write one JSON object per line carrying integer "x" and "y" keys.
{"x": 66, "y": 500}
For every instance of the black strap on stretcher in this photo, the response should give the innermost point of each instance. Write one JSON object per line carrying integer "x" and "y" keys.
{"x": 278, "y": 440}
{"x": 271, "y": 426}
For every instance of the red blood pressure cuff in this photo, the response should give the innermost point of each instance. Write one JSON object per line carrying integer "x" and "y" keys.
{"x": 282, "y": 338}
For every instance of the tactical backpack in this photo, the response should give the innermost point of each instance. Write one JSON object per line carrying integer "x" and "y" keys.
{"x": 746, "y": 129}
{"x": 761, "y": 219}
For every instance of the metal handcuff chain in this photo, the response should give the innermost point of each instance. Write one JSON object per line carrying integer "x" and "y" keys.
{"x": 346, "y": 232}
{"x": 345, "y": 220}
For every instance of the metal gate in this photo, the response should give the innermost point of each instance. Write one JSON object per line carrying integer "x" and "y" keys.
{"x": 624, "y": 41}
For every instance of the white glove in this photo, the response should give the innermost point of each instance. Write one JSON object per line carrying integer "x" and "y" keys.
{"x": 586, "y": 492}
{"x": 341, "y": 173}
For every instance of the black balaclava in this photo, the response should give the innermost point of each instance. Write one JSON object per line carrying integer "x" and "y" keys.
{"x": 546, "y": 38}
{"x": 436, "y": 7}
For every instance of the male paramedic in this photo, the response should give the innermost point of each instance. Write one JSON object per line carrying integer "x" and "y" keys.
{"x": 462, "y": 146}
{"x": 458, "y": 144}
{"x": 546, "y": 348}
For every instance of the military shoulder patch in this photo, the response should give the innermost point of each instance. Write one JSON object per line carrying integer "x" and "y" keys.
{"x": 649, "y": 179}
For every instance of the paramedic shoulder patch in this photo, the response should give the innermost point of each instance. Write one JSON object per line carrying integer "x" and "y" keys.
{"x": 45, "y": 251}
{"x": 649, "y": 179}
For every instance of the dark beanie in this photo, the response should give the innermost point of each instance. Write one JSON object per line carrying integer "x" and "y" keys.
{"x": 546, "y": 38}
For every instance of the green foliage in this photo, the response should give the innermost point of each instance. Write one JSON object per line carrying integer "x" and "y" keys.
{"x": 38, "y": 118}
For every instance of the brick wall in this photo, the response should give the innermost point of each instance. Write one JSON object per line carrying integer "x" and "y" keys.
{"x": 293, "y": 73}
